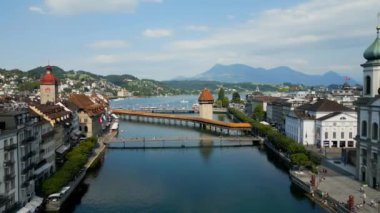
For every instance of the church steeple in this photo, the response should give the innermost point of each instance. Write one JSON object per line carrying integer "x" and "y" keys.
{"x": 371, "y": 71}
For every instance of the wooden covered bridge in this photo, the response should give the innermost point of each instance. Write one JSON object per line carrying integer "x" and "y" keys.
{"x": 217, "y": 127}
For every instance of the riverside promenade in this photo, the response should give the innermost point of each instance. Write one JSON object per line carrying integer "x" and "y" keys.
{"x": 102, "y": 141}
{"x": 333, "y": 189}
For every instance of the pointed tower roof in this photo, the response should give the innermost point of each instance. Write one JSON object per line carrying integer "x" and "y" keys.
{"x": 206, "y": 96}
{"x": 373, "y": 51}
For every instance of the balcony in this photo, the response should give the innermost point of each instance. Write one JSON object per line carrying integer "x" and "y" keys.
{"x": 26, "y": 169}
{"x": 10, "y": 147}
{"x": 9, "y": 162}
{"x": 25, "y": 184}
{"x": 28, "y": 139}
{"x": 9, "y": 176}
{"x": 27, "y": 155}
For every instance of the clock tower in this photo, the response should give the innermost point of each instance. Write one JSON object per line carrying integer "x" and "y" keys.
{"x": 49, "y": 87}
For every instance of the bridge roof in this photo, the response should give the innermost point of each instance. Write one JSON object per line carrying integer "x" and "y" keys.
{"x": 185, "y": 118}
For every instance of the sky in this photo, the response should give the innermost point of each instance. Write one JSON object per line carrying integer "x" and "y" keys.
{"x": 165, "y": 39}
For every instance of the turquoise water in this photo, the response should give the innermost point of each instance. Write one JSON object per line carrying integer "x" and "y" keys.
{"x": 245, "y": 179}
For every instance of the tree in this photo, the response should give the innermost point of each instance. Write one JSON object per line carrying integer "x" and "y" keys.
{"x": 225, "y": 102}
{"x": 221, "y": 94}
{"x": 236, "y": 98}
{"x": 299, "y": 159}
{"x": 259, "y": 113}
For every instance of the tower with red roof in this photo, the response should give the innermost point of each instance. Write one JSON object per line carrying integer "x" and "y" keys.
{"x": 206, "y": 101}
{"x": 49, "y": 87}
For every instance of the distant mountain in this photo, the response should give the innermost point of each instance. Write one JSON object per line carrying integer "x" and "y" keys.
{"x": 236, "y": 73}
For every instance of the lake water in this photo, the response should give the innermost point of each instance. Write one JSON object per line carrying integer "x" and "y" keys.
{"x": 245, "y": 179}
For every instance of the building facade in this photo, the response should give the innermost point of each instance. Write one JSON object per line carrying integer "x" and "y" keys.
{"x": 324, "y": 123}
{"x": 368, "y": 108}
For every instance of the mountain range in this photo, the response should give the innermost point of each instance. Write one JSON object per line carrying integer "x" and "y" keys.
{"x": 237, "y": 73}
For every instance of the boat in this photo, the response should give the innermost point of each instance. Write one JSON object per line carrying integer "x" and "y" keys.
{"x": 115, "y": 127}
{"x": 195, "y": 107}
{"x": 184, "y": 101}
{"x": 55, "y": 201}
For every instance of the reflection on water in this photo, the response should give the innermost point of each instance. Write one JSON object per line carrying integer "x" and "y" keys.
{"x": 206, "y": 146}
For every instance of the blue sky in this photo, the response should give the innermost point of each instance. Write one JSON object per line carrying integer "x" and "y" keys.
{"x": 163, "y": 39}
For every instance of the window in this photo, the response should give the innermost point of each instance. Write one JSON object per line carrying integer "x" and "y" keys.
{"x": 334, "y": 134}
{"x": 364, "y": 128}
{"x": 85, "y": 128}
{"x": 342, "y": 118}
{"x": 342, "y": 135}
{"x": 375, "y": 130}
{"x": 350, "y": 135}
{"x": 368, "y": 85}
{"x": 326, "y": 135}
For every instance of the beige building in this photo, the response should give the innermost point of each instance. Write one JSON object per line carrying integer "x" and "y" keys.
{"x": 206, "y": 101}
{"x": 91, "y": 115}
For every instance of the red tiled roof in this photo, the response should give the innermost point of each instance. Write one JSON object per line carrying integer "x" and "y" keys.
{"x": 206, "y": 96}
{"x": 84, "y": 102}
{"x": 49, "y": 78}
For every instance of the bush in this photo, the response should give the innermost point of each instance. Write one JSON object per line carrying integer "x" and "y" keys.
{"x": 76, "y": 159}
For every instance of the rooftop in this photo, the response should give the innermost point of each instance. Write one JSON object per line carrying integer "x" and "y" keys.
{"x": 206, "y": 96}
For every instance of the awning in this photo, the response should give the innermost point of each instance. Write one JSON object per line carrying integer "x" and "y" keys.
{"x": 32, "y": 206}
{"x": 42, "y": 169}
{"x": 24, "y": 210}
{"x": 62, "y": 149}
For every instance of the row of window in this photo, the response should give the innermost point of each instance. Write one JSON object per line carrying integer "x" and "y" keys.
{"x": 350, "y": 135}
{"x": 375, "y": 130}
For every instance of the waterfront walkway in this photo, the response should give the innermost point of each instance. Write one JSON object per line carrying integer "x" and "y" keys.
{"x": 333, "y": 190}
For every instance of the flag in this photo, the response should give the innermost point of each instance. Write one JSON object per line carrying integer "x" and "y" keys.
{"x": 100, "y": 120}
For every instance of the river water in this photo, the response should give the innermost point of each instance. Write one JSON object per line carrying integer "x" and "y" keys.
{"x": 245, "y": 179}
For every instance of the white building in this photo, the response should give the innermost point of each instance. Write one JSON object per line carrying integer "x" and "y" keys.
{"x": 337, "y": 130}
{"x": 309, "y": 124}
{"x": 368, "y": 106}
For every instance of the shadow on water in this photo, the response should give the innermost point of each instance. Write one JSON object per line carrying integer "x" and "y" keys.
{"x": 277, "y": 161}
{"x": 75, "y": 198}
{"x": 300, "y": 195}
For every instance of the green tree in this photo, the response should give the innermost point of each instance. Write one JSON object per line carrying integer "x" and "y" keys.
{"x": 259, "y": 113}
{"x": 225, "y": 102}
{"x": 236, "y": 98}
{"x": 299, "y": 159}
{"x": 221, "y": 94}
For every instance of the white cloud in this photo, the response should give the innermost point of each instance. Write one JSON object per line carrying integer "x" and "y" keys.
{"x": 157, "y": 33}
{"x": 198, "y": 28}
{"x": 73, "y": 7}
{"x": 305, "y": 36}
{"x": 314, "y": 36}
{"x": 110, "y": 44}
{"x": 36, "y": 9}
{"x": 131, "y": 57}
